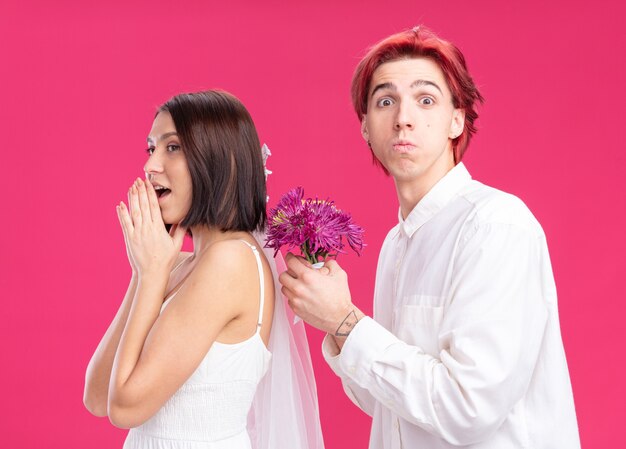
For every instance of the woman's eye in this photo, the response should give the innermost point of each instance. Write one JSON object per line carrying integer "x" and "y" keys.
{"x": 384, "y": 102}
{"x": 173, "y": 147}
{"x": 150, "y": 150}
{"x": 427, "y": 101}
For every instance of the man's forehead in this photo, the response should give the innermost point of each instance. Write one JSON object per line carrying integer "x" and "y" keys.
{"x": 407, "y": 67}
{"x": 410, "y": 72}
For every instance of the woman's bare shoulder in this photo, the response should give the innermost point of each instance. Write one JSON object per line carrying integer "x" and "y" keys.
{"x": 229, "y": 266}
{"x": 224, "y": 276}
{"x": 229, "y": 256}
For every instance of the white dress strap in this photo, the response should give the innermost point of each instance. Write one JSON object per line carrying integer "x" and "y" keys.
{"x": 177, "y": 287}
{"x": 261, "y": 283}
{"x": 185, "y": 259}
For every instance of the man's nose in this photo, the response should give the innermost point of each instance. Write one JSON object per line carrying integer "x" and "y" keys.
{"x": 405, "y": 117}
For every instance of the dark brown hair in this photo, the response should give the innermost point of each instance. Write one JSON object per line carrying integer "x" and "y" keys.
{"x": 420, "y": 42}
{"x": 224, "y": 157}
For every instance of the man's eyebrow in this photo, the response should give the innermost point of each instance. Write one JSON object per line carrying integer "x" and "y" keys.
{"x": 416, "y": 83}
{"x": 389, "y": 86}
{"x": 163, "y": 137}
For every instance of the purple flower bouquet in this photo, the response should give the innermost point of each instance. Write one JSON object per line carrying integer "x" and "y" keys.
{"x": 314, "y": 225}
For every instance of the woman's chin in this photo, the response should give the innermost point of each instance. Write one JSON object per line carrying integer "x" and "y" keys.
{"x": 171, "y": 217}
{"x": 169, "y": 220}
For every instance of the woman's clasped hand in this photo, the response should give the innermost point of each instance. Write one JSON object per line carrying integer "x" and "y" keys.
{"x": 150, "y": 248}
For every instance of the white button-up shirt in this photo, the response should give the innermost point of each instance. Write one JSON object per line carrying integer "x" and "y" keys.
{"x": 465, "y": 347}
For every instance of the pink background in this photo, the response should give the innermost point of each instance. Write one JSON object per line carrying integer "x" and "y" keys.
{"x": 79, "y": 83}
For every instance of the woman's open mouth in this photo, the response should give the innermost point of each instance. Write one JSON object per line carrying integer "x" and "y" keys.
{"x": 161, "y": 192}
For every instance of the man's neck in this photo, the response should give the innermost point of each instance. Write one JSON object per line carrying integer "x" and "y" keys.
{"x": 411, "y": 192}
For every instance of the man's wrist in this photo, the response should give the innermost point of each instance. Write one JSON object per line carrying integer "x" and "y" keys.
{"x": 346, "y": 325}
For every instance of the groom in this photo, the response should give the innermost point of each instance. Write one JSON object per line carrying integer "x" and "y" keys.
{"x": 464, "y": 348}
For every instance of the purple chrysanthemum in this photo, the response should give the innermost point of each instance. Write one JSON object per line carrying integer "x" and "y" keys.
{"x": 316, "y": 226}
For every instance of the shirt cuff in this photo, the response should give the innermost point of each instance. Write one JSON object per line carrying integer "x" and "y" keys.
{"x": 365, "y": 342}
{"x": 363, "y": 346}
{"x": 331, "y": 353}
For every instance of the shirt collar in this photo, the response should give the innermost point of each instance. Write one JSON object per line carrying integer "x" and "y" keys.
{"x": 435, "y": 200}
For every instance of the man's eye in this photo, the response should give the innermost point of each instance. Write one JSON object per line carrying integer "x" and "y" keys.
{"x": 172, "y": 147}
{"x": 384, "y": 102}
{"x": 427, "y": 101}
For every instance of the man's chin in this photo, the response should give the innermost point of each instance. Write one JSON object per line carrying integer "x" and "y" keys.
{"x": 405, "y": 171}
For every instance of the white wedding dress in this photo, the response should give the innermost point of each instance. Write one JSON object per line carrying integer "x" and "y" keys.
{"x": 210, "y": 410}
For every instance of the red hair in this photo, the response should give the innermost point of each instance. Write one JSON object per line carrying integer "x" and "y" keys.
{"x": 420, "y": 42}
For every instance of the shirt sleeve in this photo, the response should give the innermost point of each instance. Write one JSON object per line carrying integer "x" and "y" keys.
{"x": 489, "y": 339}
{"x": 358, "y": 395}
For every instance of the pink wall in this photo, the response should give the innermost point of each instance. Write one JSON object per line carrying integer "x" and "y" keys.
{"x": 78, "y": 89}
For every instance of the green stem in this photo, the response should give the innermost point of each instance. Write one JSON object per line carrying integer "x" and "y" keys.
{"x": 306, "y": 252}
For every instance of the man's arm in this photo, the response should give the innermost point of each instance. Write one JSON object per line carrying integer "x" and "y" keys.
{"x": 490, "y": 339}
{"x": 358, "y": 395}
{"x": 338, "y": 318}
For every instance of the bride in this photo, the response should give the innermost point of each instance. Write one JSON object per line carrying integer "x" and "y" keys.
{"x": 201, "y": 353}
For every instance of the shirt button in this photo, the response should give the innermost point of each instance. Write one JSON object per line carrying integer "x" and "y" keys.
{"x": 351, "y": 369}
{"x": 396, "y": 425}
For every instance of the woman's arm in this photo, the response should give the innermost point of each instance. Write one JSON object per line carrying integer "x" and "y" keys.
{"x": 158, "y": 352}
{"x": 98, "y": 372}
{"x": 99, "y": 368}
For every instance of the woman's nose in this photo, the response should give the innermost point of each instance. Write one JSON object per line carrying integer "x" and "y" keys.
{"x": 154, "y": 164}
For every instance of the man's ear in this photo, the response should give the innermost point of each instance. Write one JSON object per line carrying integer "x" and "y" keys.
{"x": 458, "y": 123}
{"x": 364, "y": 132}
